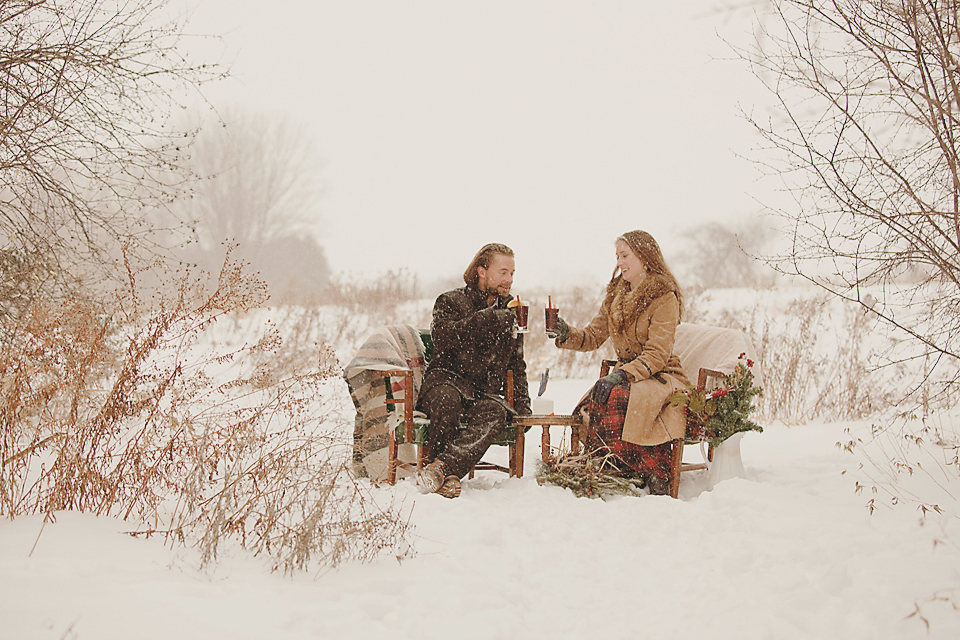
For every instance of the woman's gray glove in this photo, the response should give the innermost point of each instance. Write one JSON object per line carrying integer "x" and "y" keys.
{"x": 601, "y": 390}
{"x": 562, "y": 332}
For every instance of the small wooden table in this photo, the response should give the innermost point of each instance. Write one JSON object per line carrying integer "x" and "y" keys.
{"x": 547, "y": 421}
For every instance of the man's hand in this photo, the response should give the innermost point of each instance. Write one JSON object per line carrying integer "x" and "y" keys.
{"x": 504, "y": 319}
{"x": 562, "y": 332}
{"x": 601, "y": 390}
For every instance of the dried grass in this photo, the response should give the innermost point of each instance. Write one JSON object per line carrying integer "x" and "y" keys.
{"x": 830, "y": 360}
{"x": 821, "y": 358}
{"x": 107, "y": 407}
{"x": 114, "y": 406}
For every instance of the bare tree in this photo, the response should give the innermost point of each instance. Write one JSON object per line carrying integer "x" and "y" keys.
{"x": 86, "y": 88}
{"x": 258, "y": 187}
{"x": 259, "y": 180}
{"x": 870, "y": 147}
{"x": 723, "y": 255}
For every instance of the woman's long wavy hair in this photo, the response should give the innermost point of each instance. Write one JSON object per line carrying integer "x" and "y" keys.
{"x": 646, "y": 248}
{"x": 483, "y": 259}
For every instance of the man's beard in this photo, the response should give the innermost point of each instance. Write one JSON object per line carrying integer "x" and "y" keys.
{"x": 501, "y": 290}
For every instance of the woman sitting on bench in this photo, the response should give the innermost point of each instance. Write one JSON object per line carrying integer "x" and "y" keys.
{"x": 626, "y": 412}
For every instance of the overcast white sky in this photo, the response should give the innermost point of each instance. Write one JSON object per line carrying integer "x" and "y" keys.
{"x": 550, "y": 125}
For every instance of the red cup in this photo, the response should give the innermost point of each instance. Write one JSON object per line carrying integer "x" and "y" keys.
{"x": 550, "y": 315}
{"x": 523, "y": 317}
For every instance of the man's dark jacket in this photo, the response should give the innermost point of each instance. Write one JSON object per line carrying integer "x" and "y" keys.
{"x": 474, "y": 346}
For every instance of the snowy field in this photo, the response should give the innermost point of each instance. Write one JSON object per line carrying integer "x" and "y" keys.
{"x": 788, "y": 551}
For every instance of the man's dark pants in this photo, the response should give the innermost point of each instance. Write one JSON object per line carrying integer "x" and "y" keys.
{"x": 461, "y": 430}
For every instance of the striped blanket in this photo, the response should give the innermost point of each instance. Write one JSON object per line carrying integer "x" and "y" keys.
{"x": 394, "y": 347}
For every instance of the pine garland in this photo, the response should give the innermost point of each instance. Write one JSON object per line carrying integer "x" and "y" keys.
{"x": 590, "y": 475}
{"x": 723, "y": 412}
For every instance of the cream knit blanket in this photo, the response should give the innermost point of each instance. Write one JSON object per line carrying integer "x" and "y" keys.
{"x": 701, "y": 346}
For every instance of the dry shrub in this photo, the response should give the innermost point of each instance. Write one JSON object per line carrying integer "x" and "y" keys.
{"x": 354, "y": 305}
{"x": 821, "y": 358}
{"x": 913, "y": 462}
{"x": 370, "y": 294}
{"x": 282, "y": 488}
{"x": 111, "y": 407}
{"x": 910, "y": 460}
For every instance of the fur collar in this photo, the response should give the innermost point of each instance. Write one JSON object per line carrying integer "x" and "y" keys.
{"x": 625, "y": 305}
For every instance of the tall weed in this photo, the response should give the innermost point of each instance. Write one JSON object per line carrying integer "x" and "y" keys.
{"x": 115, "y": 407}
{"x": 821, "y": 358}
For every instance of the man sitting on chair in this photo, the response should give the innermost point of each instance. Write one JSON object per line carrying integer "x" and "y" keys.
{"x": 474, "y": 344}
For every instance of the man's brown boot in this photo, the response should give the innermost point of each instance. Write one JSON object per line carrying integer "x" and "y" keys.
{"x": 450, "y": 487}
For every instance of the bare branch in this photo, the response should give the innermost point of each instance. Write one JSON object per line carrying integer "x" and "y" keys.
{"x": 870, "y": 94}
{"x": 86, "y": 147}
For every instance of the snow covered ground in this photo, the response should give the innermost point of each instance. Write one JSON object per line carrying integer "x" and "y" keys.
{"x": 788, "y": 551}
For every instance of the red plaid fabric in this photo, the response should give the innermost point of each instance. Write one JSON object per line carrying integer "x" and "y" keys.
{"x": 606, "y": 429}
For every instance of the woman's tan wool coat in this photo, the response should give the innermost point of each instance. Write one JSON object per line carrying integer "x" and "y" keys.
{"x": 643, "y": 324}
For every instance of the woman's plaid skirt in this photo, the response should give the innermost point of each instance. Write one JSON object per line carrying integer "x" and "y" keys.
{"x": 604, "y": 436}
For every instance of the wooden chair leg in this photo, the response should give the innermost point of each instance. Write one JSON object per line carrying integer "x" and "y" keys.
{"x": 423, "y": 456}
{"x": 392, "y": 459}
{"x": 676, "y": 461}
{"x": 545, "y": 444}
{"x": 518, "y": 454}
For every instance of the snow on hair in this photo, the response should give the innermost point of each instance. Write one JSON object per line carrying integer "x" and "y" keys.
{"x": 645, "y": 247}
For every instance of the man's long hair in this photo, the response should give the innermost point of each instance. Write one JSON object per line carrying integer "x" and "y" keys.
{"x": 483, "y": 259}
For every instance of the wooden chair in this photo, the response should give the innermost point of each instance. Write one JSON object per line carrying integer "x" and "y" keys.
{"x": 708, "y": 379}
{"x": 416, "y": 431}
